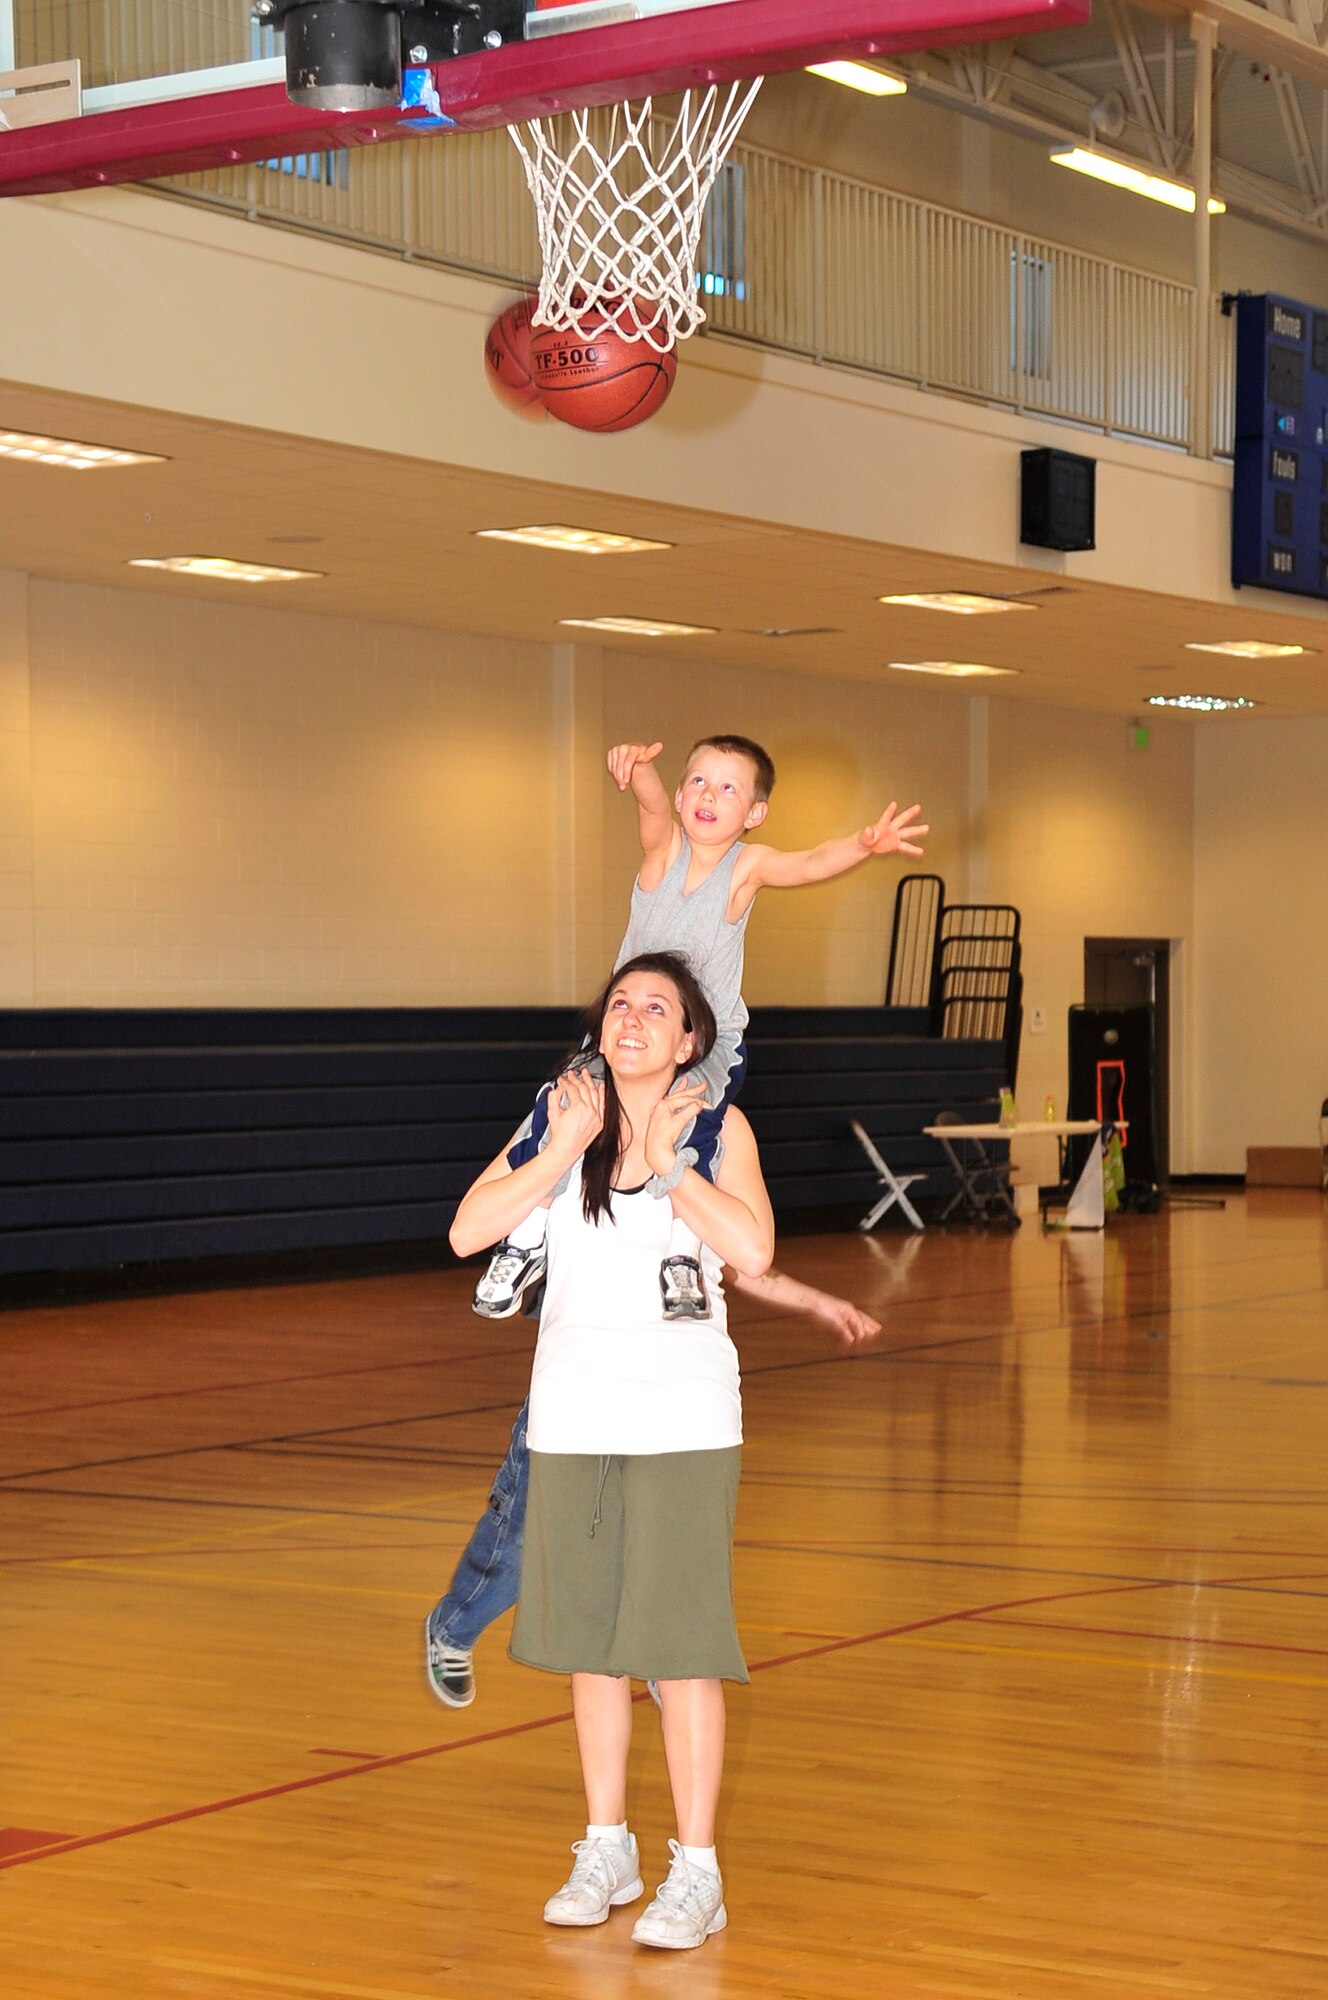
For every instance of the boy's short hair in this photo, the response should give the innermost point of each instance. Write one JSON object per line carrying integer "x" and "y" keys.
{"x": 762, "y": 763}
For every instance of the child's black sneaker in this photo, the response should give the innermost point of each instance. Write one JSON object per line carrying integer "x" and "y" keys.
{"x": 683, "y": 1289}
{"x": 451, "y": 1669}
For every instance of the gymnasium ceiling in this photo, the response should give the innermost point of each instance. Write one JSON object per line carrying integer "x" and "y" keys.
{"x": 396, "y": 540}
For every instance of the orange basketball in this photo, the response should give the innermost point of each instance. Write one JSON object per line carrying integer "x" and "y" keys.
{"x": 507, "y": 358}
{"x": 596, "y": 380}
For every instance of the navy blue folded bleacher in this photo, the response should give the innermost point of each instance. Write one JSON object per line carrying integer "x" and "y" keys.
{"x": 164, "y": 1136}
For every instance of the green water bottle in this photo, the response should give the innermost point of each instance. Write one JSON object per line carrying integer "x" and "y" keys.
{"x": 1009, "y": 1116}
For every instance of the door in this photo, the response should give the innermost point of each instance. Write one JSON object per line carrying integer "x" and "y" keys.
{"x": 1136, "y": 972}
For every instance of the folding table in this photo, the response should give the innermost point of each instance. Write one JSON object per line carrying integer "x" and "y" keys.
{"x": 984, "y": 1182}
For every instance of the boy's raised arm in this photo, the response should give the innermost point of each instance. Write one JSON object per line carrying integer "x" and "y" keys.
{"x": 633, "y": 764}
{"x": 895, "y": 832}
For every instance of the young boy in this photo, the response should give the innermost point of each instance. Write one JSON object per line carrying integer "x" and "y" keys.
{"x": 694, "y": 894}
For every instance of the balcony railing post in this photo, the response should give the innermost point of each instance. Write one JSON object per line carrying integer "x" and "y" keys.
{"x": 1020, "y": 277}
{"x": 924, "y": 280}
{"x": 820, "y": 275}
{"x": 409, "y": 205}
{"x": 1204, "y": 37}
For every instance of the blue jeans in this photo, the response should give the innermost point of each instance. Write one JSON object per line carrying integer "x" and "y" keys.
{"x": 487, "y": 1579}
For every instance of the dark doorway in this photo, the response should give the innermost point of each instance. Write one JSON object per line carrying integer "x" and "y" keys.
{"x": 1135, "y": 972}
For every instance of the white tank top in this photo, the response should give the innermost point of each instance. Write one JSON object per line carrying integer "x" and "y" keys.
{"x": 611, "y": 1374}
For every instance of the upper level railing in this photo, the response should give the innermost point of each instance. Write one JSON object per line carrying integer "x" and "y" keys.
{"x": 796, "y": 259}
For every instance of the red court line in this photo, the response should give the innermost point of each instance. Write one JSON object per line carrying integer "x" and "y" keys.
{"x": 400, "y": 1757}
{"x": 258, "y": 1382}
{"x": 1167, "y": 1638}
{"x": 280, "y": 1791}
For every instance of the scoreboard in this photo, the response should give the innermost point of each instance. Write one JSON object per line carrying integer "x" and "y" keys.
{"x": 1279, "y": 515}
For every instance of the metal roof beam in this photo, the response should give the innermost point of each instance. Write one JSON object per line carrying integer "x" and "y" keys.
{"x": 1252, "y": 31}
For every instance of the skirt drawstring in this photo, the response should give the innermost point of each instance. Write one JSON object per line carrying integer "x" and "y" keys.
{"x": 599, "y": 1496}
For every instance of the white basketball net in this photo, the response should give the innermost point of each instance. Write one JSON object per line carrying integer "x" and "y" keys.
{"x": 620, "y": 209}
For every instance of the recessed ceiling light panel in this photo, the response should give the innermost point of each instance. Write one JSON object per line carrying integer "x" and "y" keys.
{"x": 641, "y": 628}
{"x": 572, "y": 541}
{"x": 957, "y": 670}
{"x": 68, "y": 452}
{"x": 223, "y": 566}
{"x": 1203, "y": 704}
{"x": 966, "y": 603}
{"x": 1247, "y": 649}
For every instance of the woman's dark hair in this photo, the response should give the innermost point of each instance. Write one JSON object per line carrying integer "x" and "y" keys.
{"x": 603, "y": 1156}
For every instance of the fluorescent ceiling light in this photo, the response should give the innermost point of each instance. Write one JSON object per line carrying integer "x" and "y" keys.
{"x": 1247, "y": 649}
{"x": 641, "y": 628}
{"x": 1207, "y": 704}
{"x": 68, "y": 452}
{"x": 861, "y": 76}
{"x": 966, "y": 603}
{"x": 958, "y": 670}
{"x": 572, "y": 541}
{"x": 223, "y": 566}
{"x": 1123, "y": 174}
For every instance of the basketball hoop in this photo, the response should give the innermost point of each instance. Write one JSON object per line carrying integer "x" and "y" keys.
{"x": 620, "y": 202}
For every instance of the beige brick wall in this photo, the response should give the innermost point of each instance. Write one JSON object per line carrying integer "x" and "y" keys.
{"x": 1089, "y": 838}
{"x": 231, "y": 805}
{"x": 243, "y": 806}
{"x": 16, "y": 913}
{"x": 1261, "y": 911}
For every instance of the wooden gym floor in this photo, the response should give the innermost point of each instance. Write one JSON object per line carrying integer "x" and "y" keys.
{"x": 1034, "y": 1593}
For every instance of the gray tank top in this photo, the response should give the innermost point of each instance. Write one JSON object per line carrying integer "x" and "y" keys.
{"x": 697, "y": 926}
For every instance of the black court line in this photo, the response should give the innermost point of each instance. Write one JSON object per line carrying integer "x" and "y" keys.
{"x": 856, "y": 1357}
{"x": 308, "y": 1513}
{"x": 239, "y": 1444}
{"x": 847, "y": 1553}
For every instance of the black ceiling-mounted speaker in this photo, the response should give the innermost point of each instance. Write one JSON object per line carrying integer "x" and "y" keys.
{"x": 1057, "y": 499}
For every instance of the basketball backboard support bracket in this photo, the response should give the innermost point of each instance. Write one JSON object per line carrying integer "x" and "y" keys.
{"x": 44, "y": 95}
{"x": 217, "y": 126}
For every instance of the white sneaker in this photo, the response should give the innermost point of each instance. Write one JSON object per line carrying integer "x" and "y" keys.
{"x": 511, "y": 1275}
{"x": 605, "y": 1873}
{"x": 688, "y": 1907}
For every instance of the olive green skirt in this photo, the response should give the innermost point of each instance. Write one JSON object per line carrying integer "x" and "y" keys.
{"x": 627, "y": 1566}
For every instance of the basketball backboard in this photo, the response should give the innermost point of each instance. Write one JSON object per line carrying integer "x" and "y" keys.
{"x": 185, "y": 85}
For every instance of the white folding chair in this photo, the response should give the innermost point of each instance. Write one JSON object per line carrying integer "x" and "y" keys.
{"x": 895, "y": 1185}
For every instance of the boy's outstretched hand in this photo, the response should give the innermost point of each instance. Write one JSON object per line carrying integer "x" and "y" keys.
{"x": 850, "y": 1322}
{"x": 624, "y": 758}
{"x": 894, "y": 832}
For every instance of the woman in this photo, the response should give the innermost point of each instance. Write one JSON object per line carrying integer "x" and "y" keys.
{"x": 635, "y": 1429}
